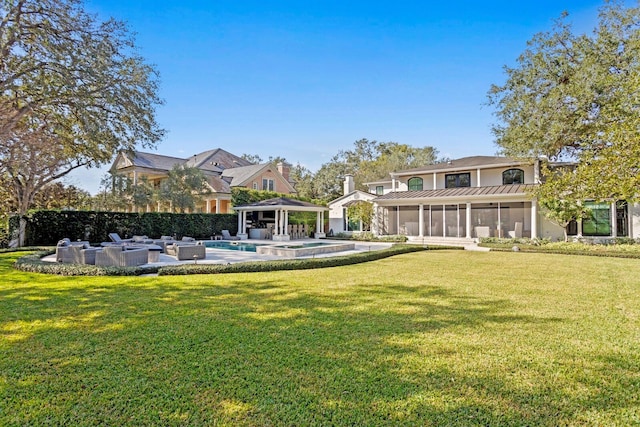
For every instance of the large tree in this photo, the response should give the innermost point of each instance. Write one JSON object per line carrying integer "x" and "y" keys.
{"x": 73, "y": 91}
{"x": 184, "y": 188}
{"x": 368, "y": 161}
{"x": 576, "y": 97}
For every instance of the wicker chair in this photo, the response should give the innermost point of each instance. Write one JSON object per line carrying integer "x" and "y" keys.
{"x": 118, "y": 257}
{"x": 83, "y": 254}
{"x": 185, "y": 251}
{"x": 63, "y": 254}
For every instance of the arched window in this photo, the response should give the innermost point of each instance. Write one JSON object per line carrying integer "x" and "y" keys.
{"x": 415, "y": 184}
{"x": 513, "y": 176}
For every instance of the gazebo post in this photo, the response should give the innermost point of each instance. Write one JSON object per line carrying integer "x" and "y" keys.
{"x": 319, "y": 234}
{"x": 242, "y": 232}
{"x": 281, "y": 206}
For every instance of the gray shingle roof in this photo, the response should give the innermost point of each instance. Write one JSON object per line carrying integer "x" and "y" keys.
{"x": 464, "y": 163}
{"x": 239, "y": 175}
{"x": 155, "y": 161}
{"x": 216, "y": 160}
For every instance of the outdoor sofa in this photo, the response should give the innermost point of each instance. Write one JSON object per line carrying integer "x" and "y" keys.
{"x": 120, "y": 256}
{"x": 63, "y": 252}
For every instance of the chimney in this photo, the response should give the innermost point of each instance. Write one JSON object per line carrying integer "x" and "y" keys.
{"x": 349, "y": 184}
{"x": 284, "y": 169}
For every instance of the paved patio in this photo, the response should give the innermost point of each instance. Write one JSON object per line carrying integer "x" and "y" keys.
{"x": 227, "y": 256}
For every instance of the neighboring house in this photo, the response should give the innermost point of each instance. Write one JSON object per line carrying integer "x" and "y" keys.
{"x": 481, "y": 196}
{"x": 222, "y": 169}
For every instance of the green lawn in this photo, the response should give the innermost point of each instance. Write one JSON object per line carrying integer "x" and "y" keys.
{"x": 429, "y": 338}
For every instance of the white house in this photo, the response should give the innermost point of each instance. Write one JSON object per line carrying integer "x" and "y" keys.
{"x": 339, "y": 221}
{"x": 480, "y": 196}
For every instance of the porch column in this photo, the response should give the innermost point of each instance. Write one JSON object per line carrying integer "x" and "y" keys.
{"x": 208, "y": 208}
{"x": 435, "y": 181}
{"x": 478, "y": 178}
{"x": 421, "y": 220}
{"x": 375, "y": 219}
{"x": 614, "y": 220}
{"x": 239, "y": 221}
{"x": 468, "y": 221}
{"x": 397, "y": 219}
{"x": 444, "y": 221}
{"x": 217, "y": 205}
{"x": 534, "y": 218}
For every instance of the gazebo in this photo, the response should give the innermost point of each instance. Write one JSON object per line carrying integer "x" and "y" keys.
{"x": 281, "y": 206}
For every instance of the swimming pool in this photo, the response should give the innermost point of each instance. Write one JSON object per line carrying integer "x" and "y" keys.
{"x": 284, "y": 250}
{"x": 232, "y": 246}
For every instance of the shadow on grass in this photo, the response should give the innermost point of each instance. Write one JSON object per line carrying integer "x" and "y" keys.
{"x": 190, "y": 351}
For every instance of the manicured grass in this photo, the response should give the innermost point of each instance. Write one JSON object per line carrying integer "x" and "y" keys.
{"x": 428, "y": 338}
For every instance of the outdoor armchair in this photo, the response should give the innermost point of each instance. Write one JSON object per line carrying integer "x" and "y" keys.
{"x": 516, "y": 233}
{"x": 184, "y": 252}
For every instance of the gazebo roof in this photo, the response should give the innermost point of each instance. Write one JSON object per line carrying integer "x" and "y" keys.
{"x": 281, "y": 203}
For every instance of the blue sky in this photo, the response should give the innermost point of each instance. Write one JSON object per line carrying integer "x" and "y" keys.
{"x": 305, "y": 79}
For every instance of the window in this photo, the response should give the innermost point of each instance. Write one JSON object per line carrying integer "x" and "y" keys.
{"x": 599, "y": 223}
{"x": 513, "y": 176}
{"x": 379, "y": 190}
{"x": 350, "y": 224}
{"x": 415, "y": 184}
{"x": 255, "y": 185}
{"x": 267, "y": 184}
{"x": 458, "y": 180}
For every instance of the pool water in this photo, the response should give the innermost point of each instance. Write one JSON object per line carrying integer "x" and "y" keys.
{"x": 232, "y": 246}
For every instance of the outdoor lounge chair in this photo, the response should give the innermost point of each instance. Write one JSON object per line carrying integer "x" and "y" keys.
{"x": 115, "y": 238}
{"x": 516, "y": 233}
{"x": 227, "y": 236}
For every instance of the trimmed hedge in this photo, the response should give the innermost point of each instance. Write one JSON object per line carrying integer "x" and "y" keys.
{"x": 34, "y": 264}
{"x": 46, "y": 227}
{"x": 567, "y": 251}
{"x": 288, "y": 264}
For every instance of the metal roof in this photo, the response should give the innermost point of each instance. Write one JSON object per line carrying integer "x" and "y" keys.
{"x": 459, "y": 192}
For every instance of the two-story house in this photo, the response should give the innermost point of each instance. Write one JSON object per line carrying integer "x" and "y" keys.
{"x": 222, "y": 169}
{"x": 481, "y": 196}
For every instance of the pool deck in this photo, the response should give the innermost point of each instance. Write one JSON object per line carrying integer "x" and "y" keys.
{"x": 226, "y": 256}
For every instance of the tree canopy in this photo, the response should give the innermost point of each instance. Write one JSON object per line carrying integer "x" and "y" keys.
{"x": 368, "y": 161}
{"x": 576, "y": 97}
{"x": 73, "y": 91}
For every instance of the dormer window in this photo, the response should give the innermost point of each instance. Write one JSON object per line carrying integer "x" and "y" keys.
{"x": 415, "y": 184}
{"x": 513, "y": 176}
